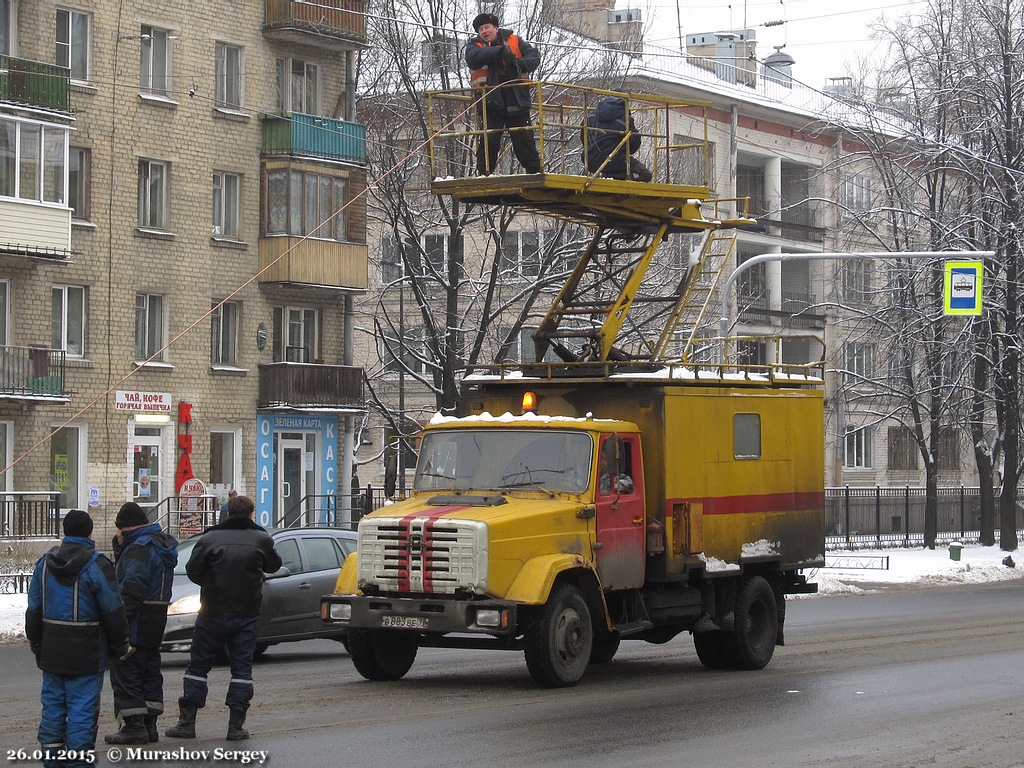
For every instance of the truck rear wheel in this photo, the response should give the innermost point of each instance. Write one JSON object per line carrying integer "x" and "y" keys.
{"x": 757, "y": 624}
{"x": 559, "y": 640}
{"x": 382, "y": 654}
{"x": 712, "y": 648}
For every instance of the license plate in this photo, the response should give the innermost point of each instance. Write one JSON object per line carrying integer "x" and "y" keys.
{"x": 403, "y": 622}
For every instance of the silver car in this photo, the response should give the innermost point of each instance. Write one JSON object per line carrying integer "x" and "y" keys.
{"x": 290, "y": 612}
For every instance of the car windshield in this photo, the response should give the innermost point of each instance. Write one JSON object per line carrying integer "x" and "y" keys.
{"x": 184, "y": 552}
{"x": 507, "y": 459}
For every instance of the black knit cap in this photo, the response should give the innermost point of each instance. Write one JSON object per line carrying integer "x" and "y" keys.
{"x": 130, "y": 515}
{"x": 77, "y": 523}
{"x": 485, "y": 18}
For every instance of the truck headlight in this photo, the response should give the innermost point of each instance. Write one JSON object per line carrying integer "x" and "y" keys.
{"x": 185, "y": 605}
{"x": 489, "y": 617}
{"x": 340, "y": 611}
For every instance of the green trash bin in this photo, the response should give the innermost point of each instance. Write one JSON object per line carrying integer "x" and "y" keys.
{"x": 954, "y": 551}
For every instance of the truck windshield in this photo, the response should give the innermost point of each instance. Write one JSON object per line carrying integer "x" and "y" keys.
{"x": 506, "y": 459}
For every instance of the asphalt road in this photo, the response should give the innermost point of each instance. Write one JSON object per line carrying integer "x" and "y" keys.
{"x": 905, "y": 678}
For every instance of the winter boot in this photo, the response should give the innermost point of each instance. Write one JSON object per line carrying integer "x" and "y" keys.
{"x": 133, "y": 731}
{"x": 186, "y": 727}
{"x": 151, "y": 729}
{"x": 235, "y": 730}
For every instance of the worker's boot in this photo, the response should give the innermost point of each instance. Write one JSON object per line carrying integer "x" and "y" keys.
{"x": 186, "y": 727}
{"x": 151, "y": 729}
{"x": 235, "y": 730}
{"x": 133, "y": 731}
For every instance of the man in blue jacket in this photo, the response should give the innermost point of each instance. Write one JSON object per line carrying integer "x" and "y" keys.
{"x": 228, "y": 563}
{"x": 606, "y": 148}
{"x": 75, "y": 615}
{"x": 145, "y": 562}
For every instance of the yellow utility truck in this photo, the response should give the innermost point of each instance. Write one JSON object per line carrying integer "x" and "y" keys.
{"x": 650, "y": 483}
{"x": 558, "y": 516}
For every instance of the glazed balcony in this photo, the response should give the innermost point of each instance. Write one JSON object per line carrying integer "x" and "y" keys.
{"x": 35, "y": 84}
{"x": 32, "y": 373}
{"x": 300, "y": 135}
{"x": 337, "y": 25}
{"x": 311, "y": 385}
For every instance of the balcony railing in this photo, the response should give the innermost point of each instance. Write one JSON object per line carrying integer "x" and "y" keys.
{"x": 338, "y": 24}
{"x": 314, "y": 385}
{"x": 297, "y": 134}
{"x": 32, "y": 373}
{"x": 34, "y": 83}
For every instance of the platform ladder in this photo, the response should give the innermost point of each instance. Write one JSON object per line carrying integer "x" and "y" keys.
{"x": 594, "y": 305}
{"x": 697, "y": 295}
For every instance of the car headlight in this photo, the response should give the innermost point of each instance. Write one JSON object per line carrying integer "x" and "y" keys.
{"x": 188, "y": 604}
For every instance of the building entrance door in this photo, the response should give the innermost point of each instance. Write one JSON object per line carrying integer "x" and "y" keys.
{"x": 147, "y": 466}
{"x": 291, "y": 461}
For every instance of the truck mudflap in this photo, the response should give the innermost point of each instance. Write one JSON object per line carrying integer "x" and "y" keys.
{"x": 428, "y": 615}
{"x": 796, "y": 584}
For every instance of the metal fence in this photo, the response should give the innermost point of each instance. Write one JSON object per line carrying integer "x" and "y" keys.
{"x": 894, "y": 517}
{"x": 30, "y": 514}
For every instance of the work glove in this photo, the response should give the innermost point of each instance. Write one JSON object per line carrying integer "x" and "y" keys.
{"x": 37, "y": 649}
{"x": 125, "y": 651}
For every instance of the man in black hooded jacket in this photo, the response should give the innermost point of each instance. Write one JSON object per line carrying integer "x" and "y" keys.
{"x": 605, "y": 139}
{"x": 228, "y": 563}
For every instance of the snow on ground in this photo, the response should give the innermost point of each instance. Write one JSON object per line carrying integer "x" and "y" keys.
{"x": 906, "y": 566}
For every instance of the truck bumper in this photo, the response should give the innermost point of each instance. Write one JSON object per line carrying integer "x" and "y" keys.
{"x": 484, "y": 617}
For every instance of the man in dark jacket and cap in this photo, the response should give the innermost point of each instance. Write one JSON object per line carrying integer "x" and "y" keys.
{"x": 75, "y": 617}
{"x": 228, "y": 563}
{"x": 146, "y": 557}
{"x": 498, "y": 59}
{"x": 606, "y": 148}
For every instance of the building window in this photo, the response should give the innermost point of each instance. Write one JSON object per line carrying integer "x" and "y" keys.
{"x": 903, "y": 451}
{"x": 296, "y": 334}
{"x": 305, "y": 204}
{"x": 73, "y": 43}
{"x": 152, "y": 194}
{"x": 224, "y": 333}
{"x": 440, "y": 53}
{"x": 855, "y": 195}
{"x": 521, "y": 250}
{"x": 6, "y": 454}
{"x": 228, "y": 74}
{"x": 857, "y": 453}
{"x": 33, "y": 159}
{"x": 78, "y": 183}
{"x": 409, "y": 355}
{"x": 391, "y": 269}
{"x": 6, "y": 31}
{"x": 155, "y": 60}
{"x": 950, "y": 448}
{"x": 856, "y": 279}
{"x": 225, "y": 458}
{"x": 66, "y": 454}
{"x": 298, "y": 86}
{"x": 68, "y": 319}
{"x": 5, "y": 304}
{"x": 860, "y": 363}
{"x": 149, "y": 326}
{"x": 226, "y": 188}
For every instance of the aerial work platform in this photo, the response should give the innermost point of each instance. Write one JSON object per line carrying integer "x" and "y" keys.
{"x": 626, "y": 305}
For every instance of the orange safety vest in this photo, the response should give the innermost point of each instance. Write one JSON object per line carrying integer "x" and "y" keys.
{"x": 478, "y": 77}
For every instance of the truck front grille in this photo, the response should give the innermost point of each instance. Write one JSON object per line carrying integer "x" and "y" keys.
{"x": 423, "y": 555}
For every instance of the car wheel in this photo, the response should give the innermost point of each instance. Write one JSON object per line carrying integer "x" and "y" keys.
{"x": 260, "y": 650}
{"x": 559, "y": 640}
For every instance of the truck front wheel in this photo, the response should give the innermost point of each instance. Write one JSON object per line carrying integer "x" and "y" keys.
{"x": 757, "y": 625}
{"x": 559, "y": 640}
{"x": 382, "y": 654}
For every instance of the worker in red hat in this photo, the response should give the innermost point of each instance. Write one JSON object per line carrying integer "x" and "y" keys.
{"x": 499, "y": 61}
